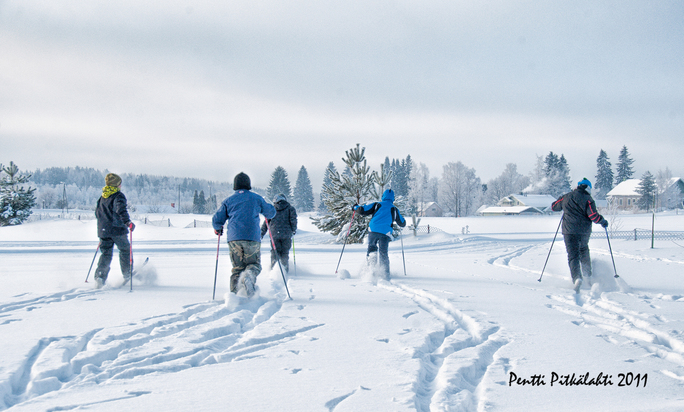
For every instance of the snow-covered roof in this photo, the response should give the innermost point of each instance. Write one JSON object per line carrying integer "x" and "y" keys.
{"x": 626, "y": 188}
{"x": 629, "y": 186}
{"x": 509, "y": 210}
{"x": 539, "y": 201}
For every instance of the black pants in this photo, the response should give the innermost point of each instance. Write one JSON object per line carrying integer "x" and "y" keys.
{"x": 282, "y": 252}
{"x": 377, "y": 242}
{"x": 107, "y": 249}
{"x": 579, "y": 260}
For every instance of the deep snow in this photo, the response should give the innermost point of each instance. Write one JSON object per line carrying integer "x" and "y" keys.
{"x": 469, "y": 315}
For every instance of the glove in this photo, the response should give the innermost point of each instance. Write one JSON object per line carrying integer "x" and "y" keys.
{"x": 218, "y": 232}
{"x": 356, "y": 206}
{"x": 604, "y": 223}
{"x": 131, "y": 226}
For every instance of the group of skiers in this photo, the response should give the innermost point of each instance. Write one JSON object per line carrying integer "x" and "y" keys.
{"x": 243, "y": 233}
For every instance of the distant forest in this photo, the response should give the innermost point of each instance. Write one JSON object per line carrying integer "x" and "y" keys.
{"x": 79, "y": 188}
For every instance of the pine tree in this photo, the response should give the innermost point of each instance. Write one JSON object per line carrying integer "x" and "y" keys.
{"x": 342, "y": 193}
{"x": 604, "y": 176}
{"x": 201, "y": 203}
{"x": 557, "y": 175}
{"x": 624, "y": 166}
{"x": 195, "y": 203}
{"x": 303, "y": 192}
{"x": 322, "y": 208}
{"x": 15, "y": 200}
{"x": 279, "y": 184}
{"x": 211, "y": 205}
{"x": 647, "y": 189}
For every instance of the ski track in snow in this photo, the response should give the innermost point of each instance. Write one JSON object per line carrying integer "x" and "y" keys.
{"x": 619, "y": 326}
{"x": 39, "y": 301}
{"x": 201, "y": 334}
{"x": 453, "y": 361}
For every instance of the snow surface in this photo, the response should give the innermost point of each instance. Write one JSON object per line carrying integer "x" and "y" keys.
{"x": 468, "y": 315}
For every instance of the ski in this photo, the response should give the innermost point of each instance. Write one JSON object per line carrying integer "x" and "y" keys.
{"x": 135, "y": 272}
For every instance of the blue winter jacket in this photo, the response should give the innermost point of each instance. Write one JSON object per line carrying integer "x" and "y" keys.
{"x": 242, "y": 210}
{"x": 384, "y": 214}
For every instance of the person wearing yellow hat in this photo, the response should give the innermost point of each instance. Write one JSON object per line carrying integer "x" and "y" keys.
{"x": 113, "y": 224}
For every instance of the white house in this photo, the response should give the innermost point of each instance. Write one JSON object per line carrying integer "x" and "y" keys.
{"x": 430, "y": 209}
{"x": 520, "y": 204}
{"x": 625, "y": 196}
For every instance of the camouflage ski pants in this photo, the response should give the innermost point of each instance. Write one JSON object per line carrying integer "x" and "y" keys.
{"x": 246, "y": 257}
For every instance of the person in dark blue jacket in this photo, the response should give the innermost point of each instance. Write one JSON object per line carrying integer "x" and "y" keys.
{"x": 579, "y": 211}
{"x": 283, "y": 226}
{"x": 113, "y": 224}
{"x": 243, "y": 234}
{"x": 384, "y": 215}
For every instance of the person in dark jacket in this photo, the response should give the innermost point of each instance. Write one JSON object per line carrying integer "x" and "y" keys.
{"x": 242, "y": 210}
{"x": 283, "y": 226}
{"x": 384, "y": 215}
{"x": 579, "y": 211}
{"x": 113, "y": 224}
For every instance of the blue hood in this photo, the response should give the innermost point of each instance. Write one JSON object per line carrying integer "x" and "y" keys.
{"x": 388, "y": 195}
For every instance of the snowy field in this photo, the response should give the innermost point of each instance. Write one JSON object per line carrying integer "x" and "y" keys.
{"x": 468, "y": 328}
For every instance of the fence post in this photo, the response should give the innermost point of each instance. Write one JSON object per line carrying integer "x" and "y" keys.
{"x": 635, "y": 234}
{"x": 169, "y": 222}
{"x": 428, "y": 229}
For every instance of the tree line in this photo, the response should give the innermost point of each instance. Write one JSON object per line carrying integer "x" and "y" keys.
{"x": 458, "y": 190}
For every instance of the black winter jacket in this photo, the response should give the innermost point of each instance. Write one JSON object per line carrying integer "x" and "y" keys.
{"x": 579, "y": 210}
{"x": 112, "y": 216}
{"x": 284, "y": 224}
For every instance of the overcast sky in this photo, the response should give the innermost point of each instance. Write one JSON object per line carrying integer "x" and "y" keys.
{"x": 207, "y": 89}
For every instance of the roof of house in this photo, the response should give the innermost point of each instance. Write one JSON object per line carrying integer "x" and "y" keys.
{"x": 629, "y": 186}
{"x": 626, "y": 188}
{"x": 508, "y": 210}
{"x": 539, "y": 201}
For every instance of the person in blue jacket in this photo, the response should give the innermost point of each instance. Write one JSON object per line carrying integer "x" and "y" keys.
{"x": 380, "y": 227}
{"x": 241, "y": 210}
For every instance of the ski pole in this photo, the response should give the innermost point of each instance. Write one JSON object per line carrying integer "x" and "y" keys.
{"x": 131, "y": 259}
{"x": 270, "y": 235}
{"x": 547, "y": 256}
{"x": 402, "y": 251}
{"x": 213, "y": 295}
{"x": 611, "y": 253}
{"x": 294, "y": 257}
{"x": 345, "y": 241}
{"x": 91, "y": 263}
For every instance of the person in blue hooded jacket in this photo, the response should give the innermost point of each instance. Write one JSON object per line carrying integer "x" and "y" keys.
{"x": 380, "y": 227}
{"x": 243, "y": 234}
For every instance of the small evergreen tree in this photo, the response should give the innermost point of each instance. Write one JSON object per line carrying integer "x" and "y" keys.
{"x": 342, "y": 193}
{"x": 15, "y": 200}
{"x": 211, "y": 205}
{"x": 557, "y": 175}
{"x": 303, "y": 192}
{"x": 647, "y": 189}
{"x": 604, "y": 175}
{"x": 279, "y": 184}
{"x": 322, "y": 208}
{"x": 624, "y": 166}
